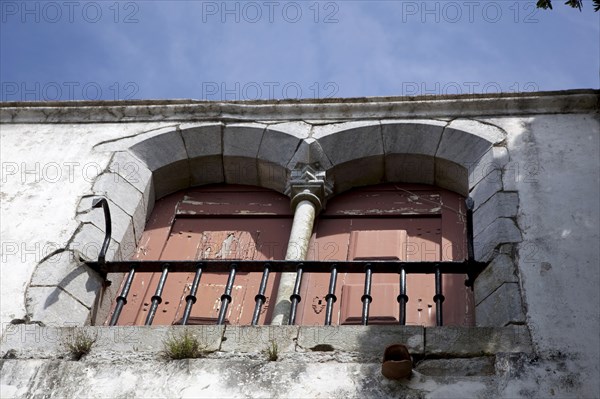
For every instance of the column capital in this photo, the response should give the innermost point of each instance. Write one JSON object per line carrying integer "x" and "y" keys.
{"x": 309, "y": 183}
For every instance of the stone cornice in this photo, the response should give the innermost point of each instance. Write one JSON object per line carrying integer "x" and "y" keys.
{"x": 503, "y": 104}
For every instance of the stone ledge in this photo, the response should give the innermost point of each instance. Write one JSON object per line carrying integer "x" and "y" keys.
{"x": 463, "y": 367}
{"x": 30, "y": 341}
{"x": 255, "y": 339}
{"x": 368, "y": 339}
{"x": 476, "y": 341}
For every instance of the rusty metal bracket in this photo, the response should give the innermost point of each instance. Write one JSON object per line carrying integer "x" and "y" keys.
{"x": 97, "y": 203}
{"x": 475, "y": 268}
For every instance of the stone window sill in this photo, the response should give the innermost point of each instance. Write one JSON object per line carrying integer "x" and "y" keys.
{"x": 339, "y": 343}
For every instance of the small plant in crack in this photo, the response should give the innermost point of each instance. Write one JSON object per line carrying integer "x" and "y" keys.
{"x": 272, "y": 351}
{"x": 79, "y": 344}
{"x": 183, "y": 346}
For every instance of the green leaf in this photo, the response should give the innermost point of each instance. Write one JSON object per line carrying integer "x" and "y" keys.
{"x": 574, "y": 4}
{"x": 545, "y": 4}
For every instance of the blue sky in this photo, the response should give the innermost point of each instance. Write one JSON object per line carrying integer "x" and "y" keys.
{"x": 217, "y": 50}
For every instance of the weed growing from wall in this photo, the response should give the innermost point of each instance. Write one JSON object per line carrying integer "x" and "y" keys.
{"x": 183, "y": 346}
{"x": 79, "y": 344}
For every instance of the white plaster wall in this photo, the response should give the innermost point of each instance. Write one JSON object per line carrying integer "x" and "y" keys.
{"x": 555, "y": 166}
{"x": 46, "y": 168}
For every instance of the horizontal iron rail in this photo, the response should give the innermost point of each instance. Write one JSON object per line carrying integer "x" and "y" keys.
{"x": 472, "y": 268}
{"x": 290, "y": 215}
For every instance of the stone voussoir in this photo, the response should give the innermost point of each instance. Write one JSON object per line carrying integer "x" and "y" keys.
{"x": 451, "y": 176}
{"x": 242, "y": 139}
{"x": 161, "y": 150}
{"x": 409, "y": 168}
{"x": 486, "y": 188}
{"x": 166, "y": 156}
{"x": 204, "y": 147}
{"x": 501, "y": 307}
{"x": 501, "y": 270}
{"x": 55, "y": 307}
{"x": 121, "y": 222}
{"x": 241, "y": 143}
{"x": 419, "y": 137}
{"x": 486, "y": 131}
{"x": 125, "y": 196}
{"x": 501, "y": 231}
{"x": 350, "y": 141}
{"x": 310, "y": 152}
{"x": 278, "y": 147}
{"x": 88, "y": 242}
{"x": 131, "y": 169}
{"x": 495, "y": 158}
{"x": 135, "y": 172}
{"x": 461, "y": 147}
{"x": 202, "y": 140}
{"x": 502, "y": 204}
{"x": 122, "y": 230}
{"x": 64, "y": 270}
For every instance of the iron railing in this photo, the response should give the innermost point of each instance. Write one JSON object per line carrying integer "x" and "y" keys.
{"x": 469, "y": 267}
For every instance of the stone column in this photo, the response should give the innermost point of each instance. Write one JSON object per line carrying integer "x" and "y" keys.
{"x": 308, "y": 190}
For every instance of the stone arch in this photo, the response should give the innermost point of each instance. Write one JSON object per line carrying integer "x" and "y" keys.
{"x": 461, "y": 155}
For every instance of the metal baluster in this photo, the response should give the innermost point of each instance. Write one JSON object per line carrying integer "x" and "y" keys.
{"x": 330, "y": 297}
{"x": 260, "y": 297}
{"x": 191, "y": 298}
{"x": 122, "y": 299}
{"x": 295, "y": 297}
{"x": 156, "y": 298}
{"x": 366, "y": 298}
{"x": 402, "y": 298}
{"x": 438, "y": 298}
{"x": 226, "y": 297}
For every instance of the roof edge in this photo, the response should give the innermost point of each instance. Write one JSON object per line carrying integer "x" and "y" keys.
{"x": 464, "y": 105}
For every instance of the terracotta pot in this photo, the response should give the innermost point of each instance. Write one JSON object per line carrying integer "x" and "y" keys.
{"x": 397, "y": 363}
